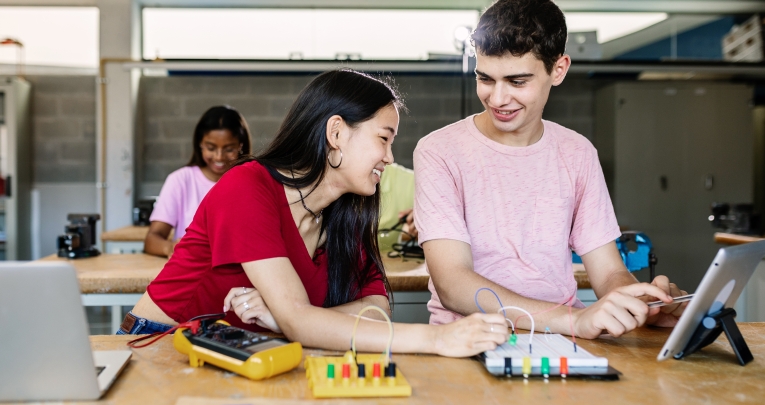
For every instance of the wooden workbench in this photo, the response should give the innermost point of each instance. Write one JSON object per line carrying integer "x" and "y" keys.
{"x": 160, "y": 375}
{"x": 132, "y": 273}
{"x": 734, "y": 239}
{"x": 126, "y": 234}
{"x": 117, "y": 280}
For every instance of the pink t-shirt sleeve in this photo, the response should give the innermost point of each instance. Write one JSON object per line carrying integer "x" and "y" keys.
{"x": 438, "y": 202}
{"x": 169, "y": 203}
{"x": 183, "y": 191}
{"x": 594, "y": 221}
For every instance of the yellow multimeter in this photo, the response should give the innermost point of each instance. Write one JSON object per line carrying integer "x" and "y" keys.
{"x": 246, "y": 353}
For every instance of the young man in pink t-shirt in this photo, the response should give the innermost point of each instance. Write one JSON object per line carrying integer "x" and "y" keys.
{"x": 503, "y": 197}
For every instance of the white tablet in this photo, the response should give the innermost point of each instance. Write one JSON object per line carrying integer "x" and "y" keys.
{"x": 719, "y": 289}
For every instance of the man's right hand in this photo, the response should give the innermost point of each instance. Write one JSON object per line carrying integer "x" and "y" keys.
{"x": 618, "y": 312}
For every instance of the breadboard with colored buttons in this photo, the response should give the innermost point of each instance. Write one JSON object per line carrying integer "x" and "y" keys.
{"x": 366, "y": 376}
{"x": 548, "y": 355}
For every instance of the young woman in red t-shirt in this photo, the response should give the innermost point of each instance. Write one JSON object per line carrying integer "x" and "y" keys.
{"x": 287, "y": 240}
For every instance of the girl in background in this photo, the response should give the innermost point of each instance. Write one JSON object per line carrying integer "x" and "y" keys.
{"x": 220, "y": 138}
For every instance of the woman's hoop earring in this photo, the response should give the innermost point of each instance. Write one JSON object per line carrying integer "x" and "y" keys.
{"x": 341, "y": 159}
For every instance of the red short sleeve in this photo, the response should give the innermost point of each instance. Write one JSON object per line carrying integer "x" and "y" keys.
{"x": 242, "y": 216}
{"x": 375, "y": 285}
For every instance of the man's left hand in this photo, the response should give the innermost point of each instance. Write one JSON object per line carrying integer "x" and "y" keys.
{"x": 667, "y": 315}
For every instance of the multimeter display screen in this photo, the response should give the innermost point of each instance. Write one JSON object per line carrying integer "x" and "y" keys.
{"x": 263, "y": 346}
{"x": 231, "y": 341}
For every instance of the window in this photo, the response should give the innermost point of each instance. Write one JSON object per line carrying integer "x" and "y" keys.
{"x": 610, "y": 26}
{"x": 52, "y": 36}
{"x": 173, "y": 33}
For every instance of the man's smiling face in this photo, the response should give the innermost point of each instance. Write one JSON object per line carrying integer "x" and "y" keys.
{"x": 513, "y": 90}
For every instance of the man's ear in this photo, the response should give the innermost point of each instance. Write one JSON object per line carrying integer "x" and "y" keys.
{"x": 560, "y": 68}
{"x": 334, "y": 125}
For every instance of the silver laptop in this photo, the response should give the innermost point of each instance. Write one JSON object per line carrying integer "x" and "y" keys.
{"x": 44, "y": 347}
{"x": 729, "y": 272}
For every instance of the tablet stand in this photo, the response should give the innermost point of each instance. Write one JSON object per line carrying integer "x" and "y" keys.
{"x": 711, "y": 327}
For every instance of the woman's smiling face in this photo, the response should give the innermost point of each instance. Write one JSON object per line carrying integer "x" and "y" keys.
{"x": 366, "y": 151}
{"x": 219, "y": 149}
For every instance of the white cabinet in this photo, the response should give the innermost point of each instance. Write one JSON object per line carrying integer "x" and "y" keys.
{"x": 668, "y": 150}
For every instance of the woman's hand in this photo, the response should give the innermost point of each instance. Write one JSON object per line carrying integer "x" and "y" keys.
{"x": 249, "y": 306}
{"x": 157, "y": 240}
{"x": 169, "y": 248}
{"x": 409, "y": 226}
{"x": 471, "y": 335}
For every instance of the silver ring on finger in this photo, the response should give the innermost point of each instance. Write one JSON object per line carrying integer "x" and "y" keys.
{"x": 492, "y": 329}
{"x": 246, "y": 306}
{"x": 244, "y": 291}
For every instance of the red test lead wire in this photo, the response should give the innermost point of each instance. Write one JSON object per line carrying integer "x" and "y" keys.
{"x": 193, "y": 325}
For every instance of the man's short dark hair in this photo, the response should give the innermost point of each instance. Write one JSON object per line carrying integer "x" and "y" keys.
{"x": 522, "y": 26}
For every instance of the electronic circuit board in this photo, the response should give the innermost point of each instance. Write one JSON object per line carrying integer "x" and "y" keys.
{"x": 367, "y": 376}
{"x": 549, "y": 355}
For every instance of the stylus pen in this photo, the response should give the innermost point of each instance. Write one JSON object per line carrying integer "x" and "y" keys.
{"x": 675, "y": 300}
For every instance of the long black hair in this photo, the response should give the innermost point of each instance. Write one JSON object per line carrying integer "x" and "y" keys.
{"x": 220, "y": 117}
{"x": 301, "y": 147}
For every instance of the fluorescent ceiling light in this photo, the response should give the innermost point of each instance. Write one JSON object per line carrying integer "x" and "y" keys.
{"x": 610, "y": 26}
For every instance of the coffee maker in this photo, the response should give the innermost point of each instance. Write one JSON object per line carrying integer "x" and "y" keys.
{"x": 142, "y": 211}
{"x": 79, "y": 238}
{"x": 736, "y": 218}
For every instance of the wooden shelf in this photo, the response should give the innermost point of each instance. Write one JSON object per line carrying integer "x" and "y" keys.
{"x": 734, "y": 239}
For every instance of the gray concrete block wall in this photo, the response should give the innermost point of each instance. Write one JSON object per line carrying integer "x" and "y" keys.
{"x": 64, "y": 116}
{"x": 572, "y": 103}
{"x": 64, "y": 128}
{"x": 433, "y": 103}
{"x": 172, "y": 106}
{"x": 63, "y": 152}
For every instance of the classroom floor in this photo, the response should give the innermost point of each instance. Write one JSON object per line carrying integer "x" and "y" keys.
{"x": 99, "y": 319}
